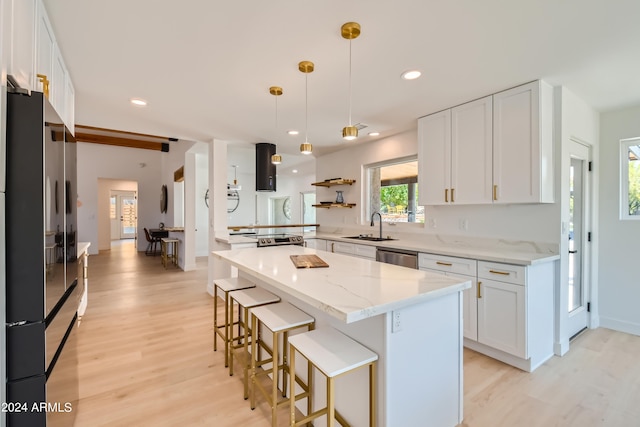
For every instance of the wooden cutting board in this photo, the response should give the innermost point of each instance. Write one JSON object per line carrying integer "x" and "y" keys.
{"x": 308, "y": 261}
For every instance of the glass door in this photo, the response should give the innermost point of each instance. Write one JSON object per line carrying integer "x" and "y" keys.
{"x": 128, "y": 216}
{"x": 578, "y": 256}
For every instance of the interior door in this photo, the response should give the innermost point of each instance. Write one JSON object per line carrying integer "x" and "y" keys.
{"x": 578, "y": 256}
{"x": 128, "y": 215}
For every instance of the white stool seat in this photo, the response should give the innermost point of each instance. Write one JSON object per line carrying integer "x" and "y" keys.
{"x": 281, "y": 316}
{"x": 253, "y": 297}
{"x": 169, "y": 240}
{"x": 229, "y": 284}
{"x": 331, "y": 351}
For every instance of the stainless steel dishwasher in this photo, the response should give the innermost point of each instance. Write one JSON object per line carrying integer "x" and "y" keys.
{"x": 397, "y": 257}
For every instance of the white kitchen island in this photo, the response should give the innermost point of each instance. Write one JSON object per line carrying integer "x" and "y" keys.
{"x": 412, "y": 319}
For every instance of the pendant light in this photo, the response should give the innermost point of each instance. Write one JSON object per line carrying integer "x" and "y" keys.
{"x": 350, "y": 31}
{"x": 276, "y": 91}
{"x": 306, "y": 67}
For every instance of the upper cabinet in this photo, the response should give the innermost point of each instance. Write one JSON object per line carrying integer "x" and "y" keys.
{"x": 35, "y": 59}
{"x": 497, "y": 149}
{"x": 22, "y": 42}
{"x": 523, "y": 144}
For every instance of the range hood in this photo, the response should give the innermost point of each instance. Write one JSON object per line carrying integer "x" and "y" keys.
{"x": 265, "y": 170}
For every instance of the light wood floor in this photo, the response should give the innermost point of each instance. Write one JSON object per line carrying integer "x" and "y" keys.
{"x": 146, "y": 359}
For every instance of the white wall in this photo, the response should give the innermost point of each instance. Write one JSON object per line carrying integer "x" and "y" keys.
{"x": 539, "y": 223}
{"x": 102, "y": 161}
{"x": 619, "y": 282}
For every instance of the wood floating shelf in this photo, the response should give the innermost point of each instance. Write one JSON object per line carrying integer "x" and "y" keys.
{"x": 334, "y": 205}
{"x": 332, "y": 182}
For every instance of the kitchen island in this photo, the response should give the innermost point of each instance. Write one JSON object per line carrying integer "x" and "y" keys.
{"x": 412, "y": 319}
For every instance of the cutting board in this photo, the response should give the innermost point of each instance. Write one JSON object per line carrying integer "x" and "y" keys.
{"x": 308, "y": 261}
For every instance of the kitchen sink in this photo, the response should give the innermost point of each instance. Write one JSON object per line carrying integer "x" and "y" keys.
{"x": 369, "y": 238}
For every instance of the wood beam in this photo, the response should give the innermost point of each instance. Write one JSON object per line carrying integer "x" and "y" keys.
{"x": 121, "y": 141}
{"x": 124, "y": 133}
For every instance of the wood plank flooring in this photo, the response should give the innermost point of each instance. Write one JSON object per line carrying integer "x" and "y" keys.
{"x": 146, "y": 359}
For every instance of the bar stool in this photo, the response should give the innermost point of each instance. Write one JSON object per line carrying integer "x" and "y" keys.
{"x": 246, "y": 299}
{"x": 280, "y": 319}
{"x": 334, "y": 354}
{"x": 226, "y": 285}
{"x": 169, "y": 250}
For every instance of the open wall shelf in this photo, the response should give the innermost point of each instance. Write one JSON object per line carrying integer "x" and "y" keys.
{"x": 332, "y": 182}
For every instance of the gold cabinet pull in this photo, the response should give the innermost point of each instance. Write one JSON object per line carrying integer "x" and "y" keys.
{"x": 45, "y": 84}
{"x": 495, "y": 192}
{"x": 452, "y": 198}
{"x": 444, "y": 263}
{"x": 446, "y": 195}
{"x": 504, "y": 273}
{"x": 478, "y": 293}
{"x": 332, "y": 246}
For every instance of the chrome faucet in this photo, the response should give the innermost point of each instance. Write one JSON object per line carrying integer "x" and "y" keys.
{"x": 380, "y": 217}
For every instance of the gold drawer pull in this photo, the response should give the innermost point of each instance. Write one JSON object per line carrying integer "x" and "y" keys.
{"x": 444, "y": 263}
{"x": 478, "y": 294}
{"x": 446, "y": 195}
{"x": 499, "y": 272}
{"x": 452, "y": 198}
{"x": 495, "y": 192}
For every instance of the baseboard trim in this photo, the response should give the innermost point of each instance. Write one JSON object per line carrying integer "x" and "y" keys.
{"x": 620, "y": 325}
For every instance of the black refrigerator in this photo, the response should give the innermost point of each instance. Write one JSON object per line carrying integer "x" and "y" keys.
{"x": 42, "y": 290}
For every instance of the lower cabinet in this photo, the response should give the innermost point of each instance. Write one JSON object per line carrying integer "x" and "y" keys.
{"x": 319, "y": 244}
{"x": 353, "y": 249}
{"x": 501, "y": 316}
{"x": 508, "y": 312}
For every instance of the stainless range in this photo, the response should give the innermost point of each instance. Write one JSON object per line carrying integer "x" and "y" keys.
{"x": 265, "y": 240}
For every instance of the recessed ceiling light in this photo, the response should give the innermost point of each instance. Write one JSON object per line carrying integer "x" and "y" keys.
{"x": 139, "y": 102}
{"x": 374, "y": 133}
{"x": 295, "y": 171}
{"x": 411, "y": 74}
{"x": 293, "y": 132}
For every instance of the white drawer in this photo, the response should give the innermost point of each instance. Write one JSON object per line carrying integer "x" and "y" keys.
{"x": 447, "y": 264}
{"x": 365, "y": 251}
{"x": 502, "y": 272}
{"x": 342, "y": 248}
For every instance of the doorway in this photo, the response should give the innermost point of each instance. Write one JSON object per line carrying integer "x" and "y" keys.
{"x": 123, "y": 213}
{"x": 308, "y": 211}
{"x": 578, "y": 280}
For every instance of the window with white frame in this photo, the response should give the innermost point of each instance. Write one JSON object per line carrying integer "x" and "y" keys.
{"x": 630, "y": 178}
{"x": 393, "y": 190}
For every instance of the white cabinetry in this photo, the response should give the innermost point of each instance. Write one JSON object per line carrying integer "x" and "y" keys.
{"x": 501, "y": 308}
{"x": 523, "y": 144}
{"x": 454, "y": 154}
{"x": 464, "y": 269}
{"x": 319, "y": 244}
{"x": 361, "y": 251}
{"x": 45, "y": 47}
{"x": 22, "y": 44}
{"x": 498, "y": 149}
{"x": 508, "y": 312}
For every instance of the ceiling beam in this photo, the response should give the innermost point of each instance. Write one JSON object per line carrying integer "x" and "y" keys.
{"x": 121, "y": 138}
{"x": 121, "y": 142}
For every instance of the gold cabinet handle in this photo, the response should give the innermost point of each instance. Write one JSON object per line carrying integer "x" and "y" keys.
{"x": 478, "y": 293}
{"x": 452, "y": 198}
{"x": 45, "y": 84}
{"x": 495, "y": 192}
{"x": 504, "y": 273}
{"x": 332, "y": 246}
{"x": 446, "y": 195}
{"x": 444, "y": 263}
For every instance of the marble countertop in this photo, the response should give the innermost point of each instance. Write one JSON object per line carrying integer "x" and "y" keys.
{"x": 498, "y": 250}
{"x": 83, "y": 247}
{"x": 350, "y": 289}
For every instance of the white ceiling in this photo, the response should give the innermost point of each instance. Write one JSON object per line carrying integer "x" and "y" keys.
{"x": 205, "y": 66}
